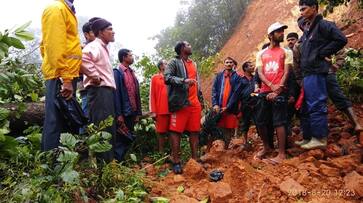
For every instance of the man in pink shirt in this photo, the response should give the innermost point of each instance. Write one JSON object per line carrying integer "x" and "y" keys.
{"x": 99, "y": 80}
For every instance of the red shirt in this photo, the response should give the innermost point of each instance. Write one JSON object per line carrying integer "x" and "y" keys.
{"x": 273, "y": 62}
{"x": 226, "y": 88}
{"x": 158, "y": 98}
{"x": 193, "y": 89}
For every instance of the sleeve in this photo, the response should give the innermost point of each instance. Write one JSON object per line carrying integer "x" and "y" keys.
{"x": 118, "y": 95}
{"x": 215, "y": 95}
{"x": 89, "y": 56}
{"x": 54, "y": 40}
{"x": 340, "y": 58}
{"x": 288, "y": 57}
{"x": 337, "y": 39}
{"x": 152, "y": 101}
{"x": 170, "y": 74}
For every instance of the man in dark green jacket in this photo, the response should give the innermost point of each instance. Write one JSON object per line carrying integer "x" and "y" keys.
{"x": 184, "y": 100}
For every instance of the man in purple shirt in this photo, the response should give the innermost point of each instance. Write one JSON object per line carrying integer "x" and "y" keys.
{"x": 99, "y": 80}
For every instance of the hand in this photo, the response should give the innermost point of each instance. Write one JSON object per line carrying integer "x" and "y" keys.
{"x": 328, "y": 59}
{"x": 275, "y": 88}
{"x": 216, "y": 108}
{"x": 271, "y": 96}
{"x": 223, "y": 109}
{"x": 291, "y": 100}
{"x": 67, "y": 90}
{"x": 120, "y": 120}
{"x": 95, "y": 80}
{"x": 152, "y": 114}
{"x": 137, "y": 118}
{"x": 190, "y": 81}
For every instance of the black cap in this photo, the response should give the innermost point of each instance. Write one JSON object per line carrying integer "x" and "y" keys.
{"x": 292, "y": 35}
{"x": 99, "y": 25}
{"x": 308, "y": 3}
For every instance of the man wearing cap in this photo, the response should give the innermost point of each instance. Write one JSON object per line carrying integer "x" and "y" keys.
{"x": 61, "y": 52}
{"x": 320, "y": 40}
{"x": 99, "y": 80}
{"x": 292, "y": 85}
{"x": 273, "y": 64}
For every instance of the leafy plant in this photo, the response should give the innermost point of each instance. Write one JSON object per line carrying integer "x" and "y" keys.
{"x": 350, "y": 76}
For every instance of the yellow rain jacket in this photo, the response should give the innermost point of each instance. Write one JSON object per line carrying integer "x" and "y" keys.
{"x": 60, "y": 46}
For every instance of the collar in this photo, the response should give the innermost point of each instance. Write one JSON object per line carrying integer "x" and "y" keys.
{"x": 227, "y": 73}
{"x": 315, "y": 21}
{"x": 124, "y": 68}
{"x": 70, "y": 6}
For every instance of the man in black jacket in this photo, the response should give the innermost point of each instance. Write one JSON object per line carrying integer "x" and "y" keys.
{"x": 184, "y": 100}
{"x": 320, "y": 40}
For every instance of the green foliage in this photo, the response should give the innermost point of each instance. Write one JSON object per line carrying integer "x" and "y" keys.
{"x": 206, "y": 25}
{"x": 350, "y": 76}
{"x": 331, "y": 4}
{"x": 18, "y": 81}
{"x": 62, "y": 174}
{"x": 12, "y": 38}
{"x": 207, "y": 64}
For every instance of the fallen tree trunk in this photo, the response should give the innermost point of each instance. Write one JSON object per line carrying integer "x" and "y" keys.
{"x": 24, "y": 115}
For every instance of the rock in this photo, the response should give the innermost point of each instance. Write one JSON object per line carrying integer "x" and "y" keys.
{"x": 304, "y": 177}
{"x": 346, "y": 163}
{"x": 292, "y": 162}
{"x": 345, "y": 135}
{"x": 217, "y": 147}
{"x": 307, "y": 166}
{"x": 291, "y": 188}
{"x": 317, "y": 153}
{"x": 333, "y": 150}
{"x": 220, "y": 192}
{"x": 329, "y": 171}
{"x": 182, "y": 199}
{"x": 178, "y": 179}
{"x": 359, "y": 169}
{"x": 354, "y": 183}
{"x": 198, "y": 190}
{"x": 194, "y": 170}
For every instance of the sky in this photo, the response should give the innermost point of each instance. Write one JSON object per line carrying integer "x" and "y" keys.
{"x": 134, "y": 21}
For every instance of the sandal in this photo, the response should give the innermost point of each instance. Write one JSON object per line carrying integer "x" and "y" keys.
{"x": 177, "y": 169}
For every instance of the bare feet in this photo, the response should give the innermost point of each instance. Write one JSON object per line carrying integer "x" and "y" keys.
{"x": 261, "y": 154}
{"x": 276, "y": 160}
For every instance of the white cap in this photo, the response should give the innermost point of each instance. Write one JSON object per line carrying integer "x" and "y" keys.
{"x": 275, "y": 27}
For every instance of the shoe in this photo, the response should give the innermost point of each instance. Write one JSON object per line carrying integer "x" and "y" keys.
{"x": 315, "y": 143}
{"x": 301, "y": 142}
{"x": 177, "y": 169}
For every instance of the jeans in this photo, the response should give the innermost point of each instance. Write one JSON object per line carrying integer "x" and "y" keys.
{"x": 314, "y": 112}
{"x": 54, "y": 123}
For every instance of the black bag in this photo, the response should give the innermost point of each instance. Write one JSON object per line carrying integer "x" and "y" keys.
{"x": 71, "y": 112}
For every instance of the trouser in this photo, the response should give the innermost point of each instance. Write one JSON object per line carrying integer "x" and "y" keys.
{"x": 54, "y": 123}
{"x": 84, "y": 108}
{"x": 247, "y": 118}
{"x": 121, "y": 146}
{"x": 101, "y": 106}
{"x": 314, "y": 112}
{"x": 335, "y": 93}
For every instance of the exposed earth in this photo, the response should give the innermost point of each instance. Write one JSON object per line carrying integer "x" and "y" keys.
{"x": 331, "y": 175}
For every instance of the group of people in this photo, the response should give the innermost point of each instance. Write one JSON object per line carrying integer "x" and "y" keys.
{"x": 300, "y": 76}
{"x": 105, "y": 90}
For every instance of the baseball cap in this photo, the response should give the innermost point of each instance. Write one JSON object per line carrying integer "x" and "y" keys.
{"x": 275, "y": 27}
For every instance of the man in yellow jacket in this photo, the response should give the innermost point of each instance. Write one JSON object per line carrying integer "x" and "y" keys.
{"x": 62, "y": 56}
